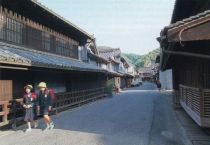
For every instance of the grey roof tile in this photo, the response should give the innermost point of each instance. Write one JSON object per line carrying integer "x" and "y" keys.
{"x": 191, "y": 19}
{"x": 37, "y": 58}
{"x": 109, "y": 53}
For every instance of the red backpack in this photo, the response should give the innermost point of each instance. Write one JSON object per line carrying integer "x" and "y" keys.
{"x": 33, "y": 95}
{"x": 51, "y": 91}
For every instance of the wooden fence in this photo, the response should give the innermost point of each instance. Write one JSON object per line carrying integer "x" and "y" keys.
{"x": 176, "y": 99}
{"x": 66, "y": 100}
{"x": 196, "y": 103}
{"x": 12, "y": 111}
{"x": 4, "y": 112}
{"x": 206, "y": 103}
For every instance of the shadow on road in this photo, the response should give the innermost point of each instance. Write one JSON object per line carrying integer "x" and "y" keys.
{"x": 125, "y": 119}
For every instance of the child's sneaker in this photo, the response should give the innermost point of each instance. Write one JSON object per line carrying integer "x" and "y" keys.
{"x": 36, "y": 124}
{"x": 28, "y": 130}
{"x": 46, "y": 128}
{"x": 51, "y": 125}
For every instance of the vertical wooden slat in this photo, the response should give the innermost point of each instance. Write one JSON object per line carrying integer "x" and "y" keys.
{"x": 192, "y": 97}
{"x": 206, "y": 103}
{"x": 77, "y": 97}
{"x": 202, "y": 103}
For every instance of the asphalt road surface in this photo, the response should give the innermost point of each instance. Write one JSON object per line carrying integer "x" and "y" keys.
{"x": 137, "y": 116}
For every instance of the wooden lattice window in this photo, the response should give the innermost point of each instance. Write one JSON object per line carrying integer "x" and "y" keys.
{"x": 20, "y": 30}
{"x": 14, "y": 31}
{"x": 34, "y": 38}
{"x": 2, "y": 27}
{"x": 45, "y": 41}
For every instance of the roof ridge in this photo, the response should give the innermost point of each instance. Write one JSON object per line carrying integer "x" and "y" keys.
{"x": 190, "y": 19}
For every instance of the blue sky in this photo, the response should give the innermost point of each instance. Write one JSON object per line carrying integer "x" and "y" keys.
{"x": 131, "y": 25}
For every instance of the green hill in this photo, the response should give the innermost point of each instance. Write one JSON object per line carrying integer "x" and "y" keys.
{"x": 141, "y": 60}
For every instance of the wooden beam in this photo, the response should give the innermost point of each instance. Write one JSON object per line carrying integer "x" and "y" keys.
{"x": 11, "y": 67}
{"x": 187, "y": 54}
{"x": 196, "y": 32}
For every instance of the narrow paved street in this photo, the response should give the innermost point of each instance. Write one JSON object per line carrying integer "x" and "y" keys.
{"x": 138, "y": 116}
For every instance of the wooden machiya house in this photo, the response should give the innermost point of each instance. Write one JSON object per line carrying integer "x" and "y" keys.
{"x": 185, "y": 49}
{"x": 145, "y": 73}
{"x": 128, "y": 72}
{"x": 37, "y": 45}
{"x": 117, "y": 66}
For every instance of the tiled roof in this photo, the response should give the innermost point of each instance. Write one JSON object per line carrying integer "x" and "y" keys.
{"x": 175, "y": 28}
{"x": 124, "y": 58}
{"x": 99, "y": 58}
{"x": 145, "y": 69}
{"x": 125, "y": 74}
{"x": 200, "y": 17}
{"x": 109, "y": 53}
{"x": 11, "y": 54}
{"x": 107, "y": 49}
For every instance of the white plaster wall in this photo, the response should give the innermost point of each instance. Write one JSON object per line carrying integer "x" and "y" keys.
{"x": 166, "y": 79}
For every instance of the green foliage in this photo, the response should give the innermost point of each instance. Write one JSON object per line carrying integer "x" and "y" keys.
{"x": 141, "y": 60}
{"x": 109, "y": 87}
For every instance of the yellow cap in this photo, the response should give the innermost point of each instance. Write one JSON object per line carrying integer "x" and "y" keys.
{"x": 42, "y": 85}
{"x": 28, "y": 86}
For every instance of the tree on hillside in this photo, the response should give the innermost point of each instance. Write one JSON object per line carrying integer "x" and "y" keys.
{"x": 142, "y": 60}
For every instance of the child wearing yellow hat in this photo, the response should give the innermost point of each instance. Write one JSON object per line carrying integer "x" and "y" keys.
{"x": 45, "y": 103}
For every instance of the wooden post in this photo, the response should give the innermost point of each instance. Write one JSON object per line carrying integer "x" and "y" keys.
{"x": 202, "y": 103}
{"x": 5, "y": 110}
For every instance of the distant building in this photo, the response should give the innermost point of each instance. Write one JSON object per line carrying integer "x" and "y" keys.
{"x": 165, "y": 77}
{"x": 117, "y": 65}
{"x": 146, "y": 73}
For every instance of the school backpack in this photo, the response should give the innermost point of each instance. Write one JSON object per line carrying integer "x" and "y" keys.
{"x": 33, "y": 95}
{"x": 51, "y": 92}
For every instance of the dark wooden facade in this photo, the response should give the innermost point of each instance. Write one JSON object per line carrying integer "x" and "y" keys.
{"x": 22, "y": 31}
{"x": 36, "y": 12}
{"x": 185, "y": 49}
{"x": 61, "y": 81}
{"x": 36, "y": 48}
